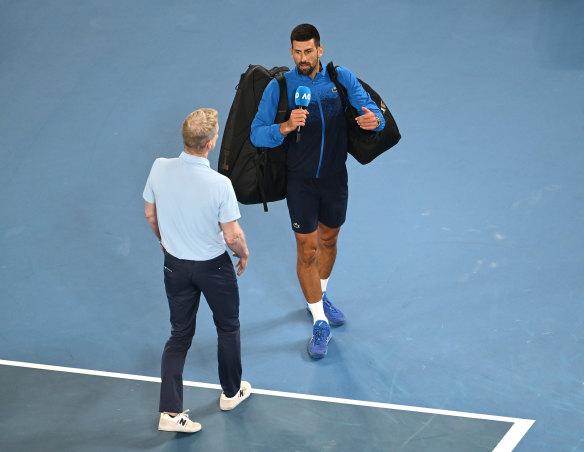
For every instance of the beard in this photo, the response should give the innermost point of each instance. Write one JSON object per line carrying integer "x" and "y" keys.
{"x": 308, "y": 69}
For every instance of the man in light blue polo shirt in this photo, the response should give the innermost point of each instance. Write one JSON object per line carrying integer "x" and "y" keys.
{"x": 193, "y": 212}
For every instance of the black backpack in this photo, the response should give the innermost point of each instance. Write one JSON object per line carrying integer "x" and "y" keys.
{"x": 365, "y": 145}
{"x": 258, "y": 175}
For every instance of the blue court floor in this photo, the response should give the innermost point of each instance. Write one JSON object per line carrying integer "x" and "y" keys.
{"x": 460, "y": 266}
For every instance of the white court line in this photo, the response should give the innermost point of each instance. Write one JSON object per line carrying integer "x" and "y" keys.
{"x": 507, "y": 443}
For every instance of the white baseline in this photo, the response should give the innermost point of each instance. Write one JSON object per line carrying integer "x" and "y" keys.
{"x": 507, "y": 443}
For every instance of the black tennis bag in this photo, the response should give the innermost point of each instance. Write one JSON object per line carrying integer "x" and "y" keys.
{"x": 365, "y": 145}
{"x": 258, "y": 175}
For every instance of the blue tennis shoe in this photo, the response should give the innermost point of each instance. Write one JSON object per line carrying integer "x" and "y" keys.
{"x": 321, "y": 335}
{"x": 334, "y": 316}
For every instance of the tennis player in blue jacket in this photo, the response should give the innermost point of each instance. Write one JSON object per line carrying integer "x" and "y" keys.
{"x": 317, "y": 189}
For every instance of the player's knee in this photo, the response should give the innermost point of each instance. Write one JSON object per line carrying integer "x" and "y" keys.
{"x": 328, "y": 242}
{"x": 307, "y": 254}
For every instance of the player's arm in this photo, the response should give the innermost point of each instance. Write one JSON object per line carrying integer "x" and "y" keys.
{"x": 264, "y": 133}
{"x": 370, "y": 117}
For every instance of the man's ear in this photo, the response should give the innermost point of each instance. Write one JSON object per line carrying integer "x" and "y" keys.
{"x": 320, "y": 51}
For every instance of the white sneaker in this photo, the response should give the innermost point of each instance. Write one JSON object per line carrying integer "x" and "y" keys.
{"x": 179, "y": 423}
{"x": 228, "y": 403}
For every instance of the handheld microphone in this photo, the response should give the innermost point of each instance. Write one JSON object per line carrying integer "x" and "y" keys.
{"x": 301, "y": 99}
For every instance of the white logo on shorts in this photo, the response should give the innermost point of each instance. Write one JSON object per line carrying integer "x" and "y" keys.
{"x": 296, "y": 226}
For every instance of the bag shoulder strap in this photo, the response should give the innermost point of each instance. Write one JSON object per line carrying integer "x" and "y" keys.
{"x": 332, "y": 72}
{"x": 283, "y": 102}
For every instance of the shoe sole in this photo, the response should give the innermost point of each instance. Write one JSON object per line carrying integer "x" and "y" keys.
{"x": 174, "y": 429}
{"x": 229, "y": 408}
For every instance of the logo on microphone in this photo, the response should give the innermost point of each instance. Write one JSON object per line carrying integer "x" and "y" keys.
{"x": 305, "y": 98}
{"x": 302, "y": 96}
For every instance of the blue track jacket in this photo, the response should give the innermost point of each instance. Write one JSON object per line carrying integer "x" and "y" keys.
{"x": 322, "y": 150}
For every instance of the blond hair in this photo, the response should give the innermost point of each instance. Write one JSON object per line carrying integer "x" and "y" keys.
{"x": 199, "y": 128}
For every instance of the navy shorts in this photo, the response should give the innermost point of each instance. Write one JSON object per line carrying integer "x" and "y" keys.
{"x": 313, "y": 200}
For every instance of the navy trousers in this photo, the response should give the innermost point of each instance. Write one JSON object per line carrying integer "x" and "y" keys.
{"x": 184, "y": 281}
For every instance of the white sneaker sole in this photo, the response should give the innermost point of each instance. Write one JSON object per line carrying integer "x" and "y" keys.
{"x": 178, "y": 429}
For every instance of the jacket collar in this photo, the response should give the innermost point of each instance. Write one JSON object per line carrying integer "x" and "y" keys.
{"x": 321, "y": 73}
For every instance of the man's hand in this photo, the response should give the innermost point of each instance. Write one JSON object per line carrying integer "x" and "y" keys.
{"x": 367, "y": 121}
{"x": 241, "y": 264}
{"x": 297, "y": 118}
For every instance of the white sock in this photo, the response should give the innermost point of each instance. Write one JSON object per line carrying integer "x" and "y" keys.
{"x": 323, "y": 283}
{"x": 317, "y": 312}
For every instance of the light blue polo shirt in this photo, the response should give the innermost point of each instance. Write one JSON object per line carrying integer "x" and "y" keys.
{"x": 191, "y": 199}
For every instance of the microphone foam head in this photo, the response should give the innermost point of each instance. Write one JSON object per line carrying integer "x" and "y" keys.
{"x": 302, "y": 96}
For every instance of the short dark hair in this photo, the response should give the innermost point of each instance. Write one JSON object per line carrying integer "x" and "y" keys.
{"x": 305, "y": 32}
